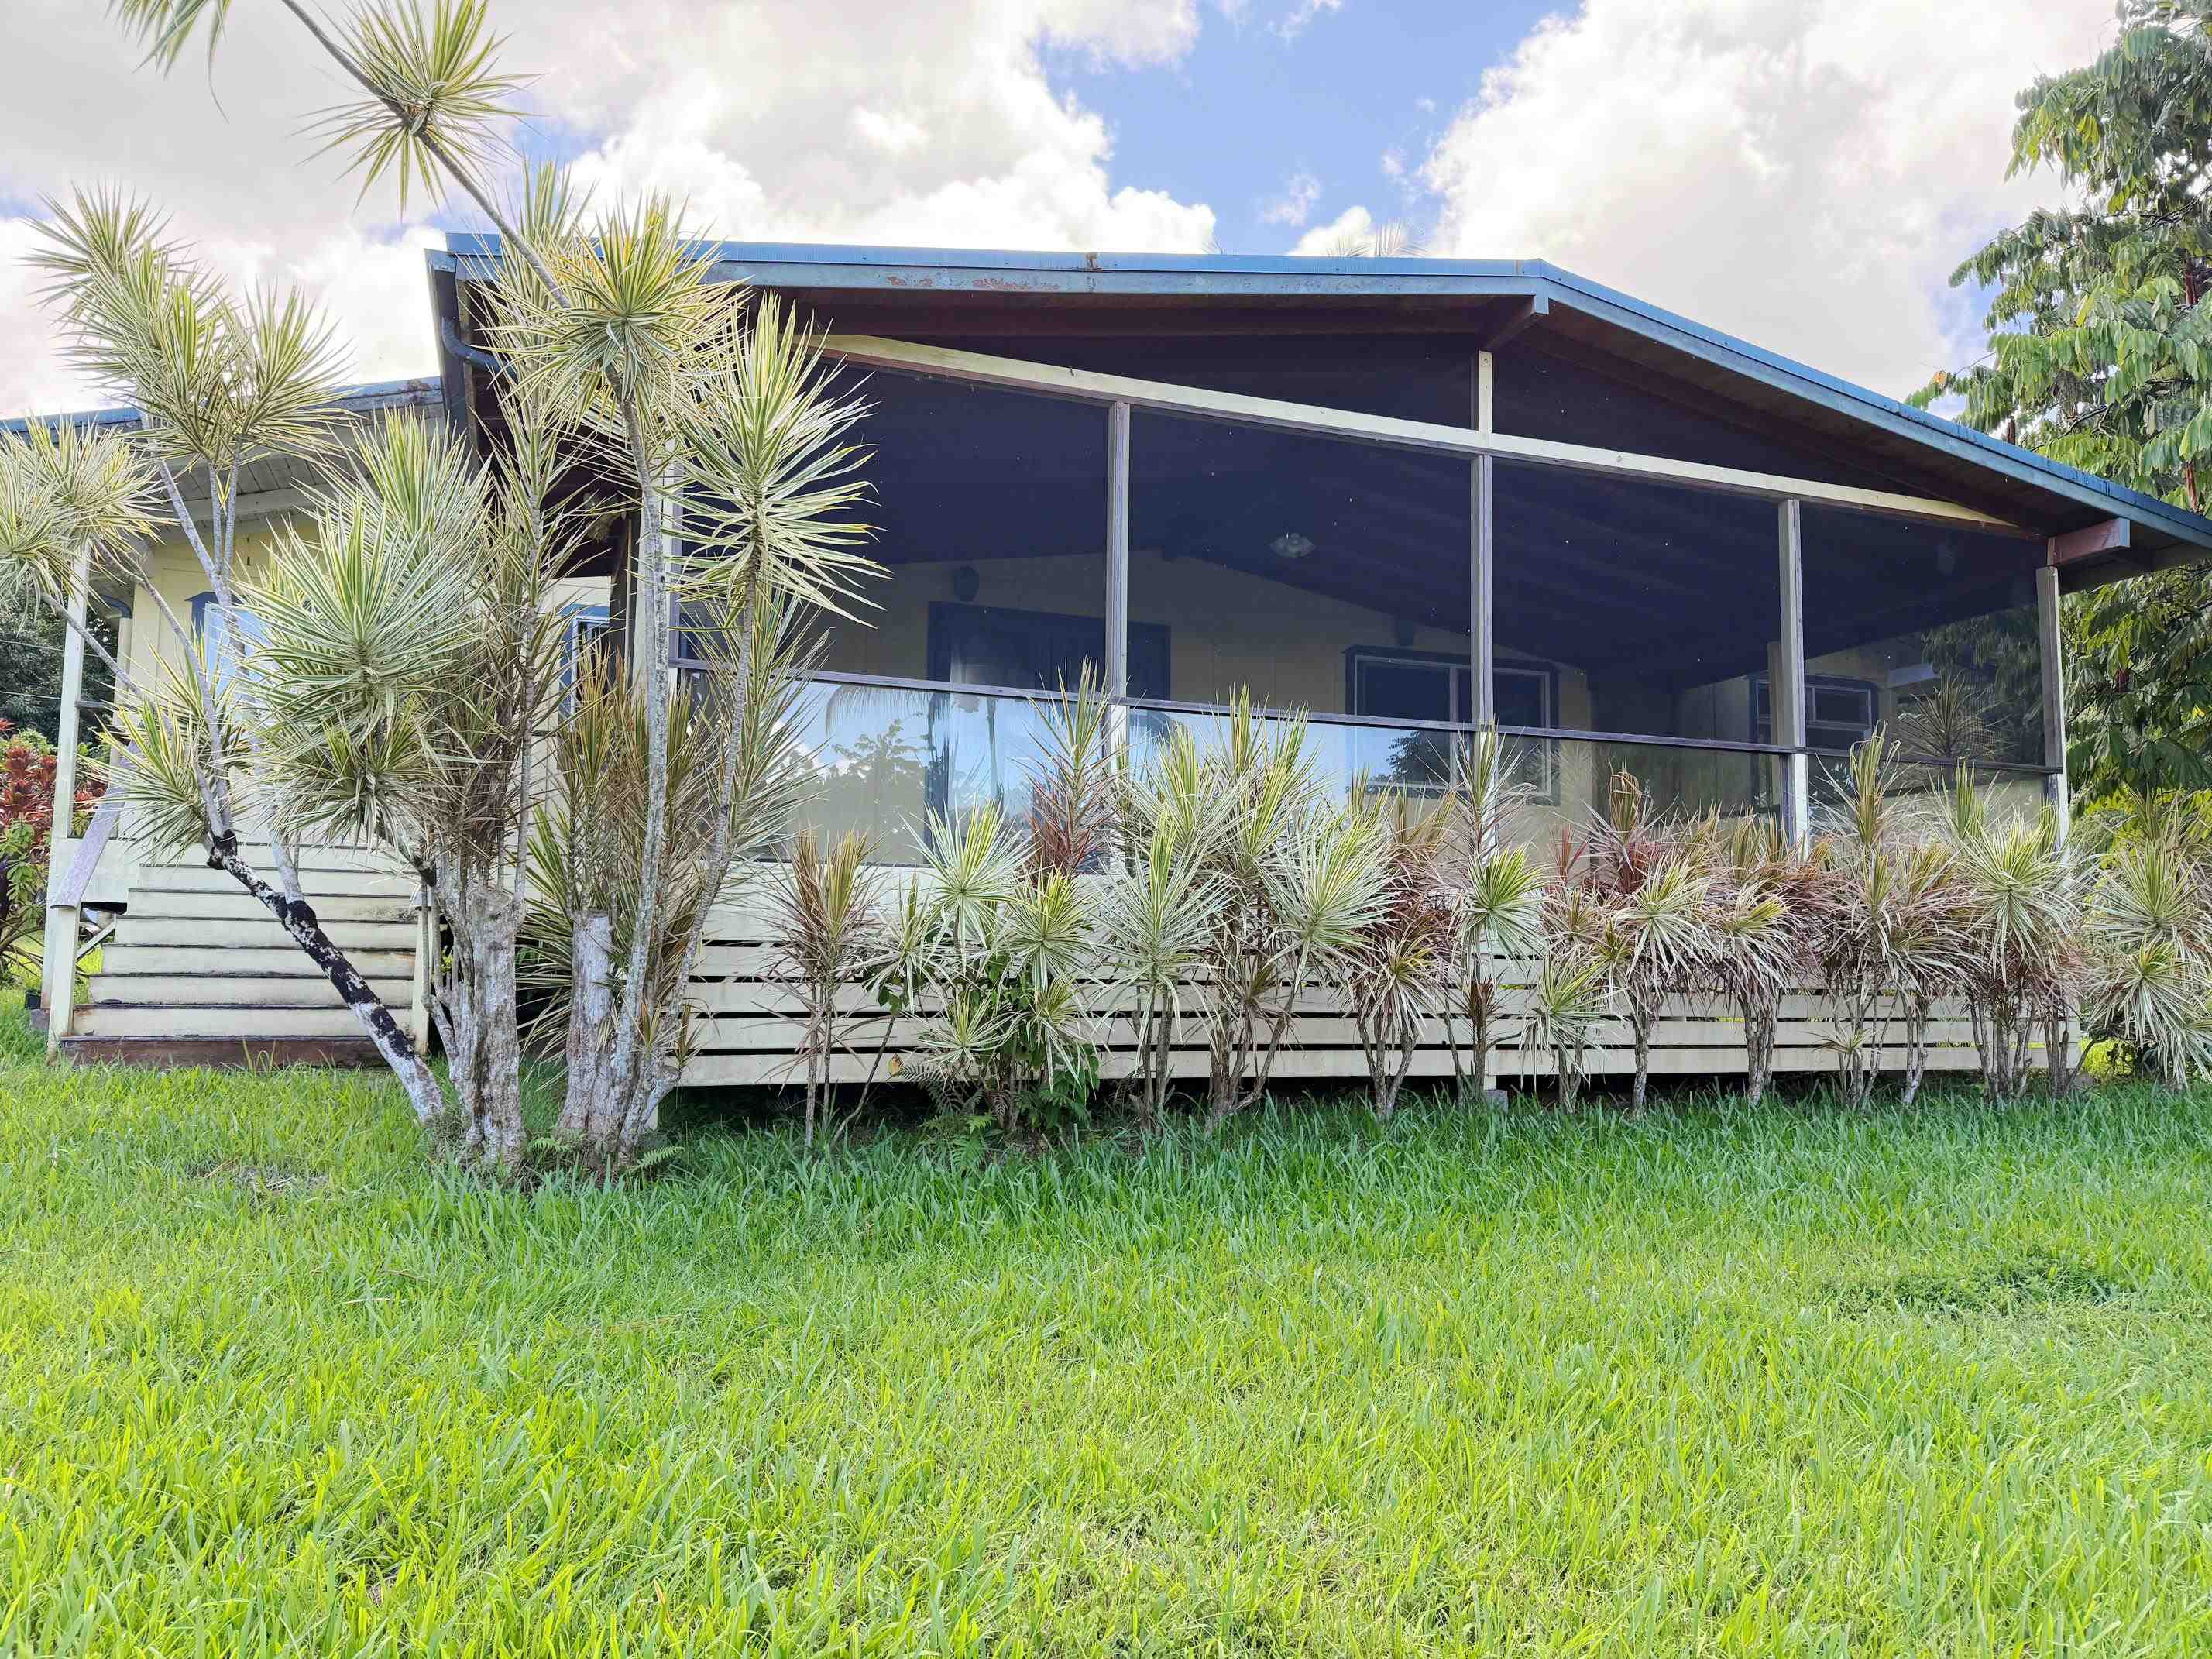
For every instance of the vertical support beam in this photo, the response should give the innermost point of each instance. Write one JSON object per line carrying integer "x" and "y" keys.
{"x": 1117, "y": 578}
{"x": 1117, "y": 550}
{"x": 2055, "y": 786}
{"x": 1482, "y": 491}
{"x": 58, "y": 978}
{"x": 1482, "y": 640}
{"x": 422, "y": 986}
{"x": 1788, "y": 691}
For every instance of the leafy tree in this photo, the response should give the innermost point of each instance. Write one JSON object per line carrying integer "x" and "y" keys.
{"x": 2100, "y": 356}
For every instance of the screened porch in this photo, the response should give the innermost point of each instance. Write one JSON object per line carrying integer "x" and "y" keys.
{"x": 1615, "y": 581}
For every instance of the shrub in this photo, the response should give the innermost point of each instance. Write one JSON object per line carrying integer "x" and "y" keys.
{"x": 27, "y": 769}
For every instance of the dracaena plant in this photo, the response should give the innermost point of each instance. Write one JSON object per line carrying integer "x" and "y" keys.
{"x": 1500, "y": 901}
{"x": 1572, "y": 994}
{"x": 826, "y": 907}
{"x": 1771, "y": 908}
{"x": 662, "y": 377}
{"x": 997, "y": 948}
{"x": 1293, "y": 876}
{"x": 221, "y": 378}
{"x": 1648, "y": 880}
{"x": 2021, "y": 893}
{"x": 2148, "y": 930}
{"x": 411, "y": 661}
{"x": 1396, "y": 978}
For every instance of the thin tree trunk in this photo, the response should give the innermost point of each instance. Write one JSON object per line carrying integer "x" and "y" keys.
{"x": 297, "y": 918}
{"x": 584, "y": 1103}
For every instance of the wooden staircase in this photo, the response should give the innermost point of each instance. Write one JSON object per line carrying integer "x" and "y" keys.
{"x": 198, "y": 973}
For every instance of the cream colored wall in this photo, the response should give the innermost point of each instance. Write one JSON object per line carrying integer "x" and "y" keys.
{"x": 1225, "y": 628}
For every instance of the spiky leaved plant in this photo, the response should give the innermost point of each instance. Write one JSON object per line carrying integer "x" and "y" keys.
{"x": 994, "y": 948}
{"x": 1648, "y": 880}
{"x": 2148, "y": 927}
{"x": 665, "y": 384}
{"x": 735, "y": 773}
{"x": 1292, "y": 876}
{"x": 826, "y": 915}
{"x": 1897, "y": 939}
{"x": 1767, "y": 918}
{"x": 2021, "y": 896}
{"x": 220, "y": 380}
{"x": 411, "y": 659}
{"x": 1398, "y": 974}
{"x": 991, "y": 965}
{"x": 1500, "y": 901}
{"x": 1572, "y": 994}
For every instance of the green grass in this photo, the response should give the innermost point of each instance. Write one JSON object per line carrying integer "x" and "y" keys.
{"x": 1789, "y": 1381}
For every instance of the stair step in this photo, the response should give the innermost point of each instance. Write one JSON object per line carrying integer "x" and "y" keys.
{"x": 238, "y": 905}
{"x": 209, "y": 934}
{"x": 272, "y": 954}
{"x": 114, "y": 990}
{"x": 164, "y": 1052}
{"x": 200, "y": 1022}
{"x": 315, "y": 884}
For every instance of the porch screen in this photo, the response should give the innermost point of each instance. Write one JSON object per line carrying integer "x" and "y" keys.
{"x": 1277, "y": 560}
{"x": 1932, "y": 632}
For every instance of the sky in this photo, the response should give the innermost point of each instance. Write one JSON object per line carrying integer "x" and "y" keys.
{"x": 1804, "y": 174}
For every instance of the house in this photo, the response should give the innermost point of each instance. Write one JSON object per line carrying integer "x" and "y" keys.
{"x": 1409, "y": 497}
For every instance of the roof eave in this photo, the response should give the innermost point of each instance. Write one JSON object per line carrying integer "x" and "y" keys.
{"x": 788, "y": 265}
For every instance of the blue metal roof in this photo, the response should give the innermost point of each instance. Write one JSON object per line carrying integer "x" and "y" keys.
{"x": 1011, "y": 274}
{"x": 364, "y": 398}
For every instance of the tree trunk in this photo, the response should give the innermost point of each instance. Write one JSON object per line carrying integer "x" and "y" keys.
{"x": 297, "y": 918}
{"x": 586, "y": 1109}
{"x": 1758, "y": 1022}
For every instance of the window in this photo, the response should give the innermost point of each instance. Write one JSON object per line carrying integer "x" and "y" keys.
{"x": 1412, "y": 685}
{"x": 223, "y": 655}
{"x": 1037, "y": 650}
{"x": 1839, "y": 713}
{"x": 587, "y": 633}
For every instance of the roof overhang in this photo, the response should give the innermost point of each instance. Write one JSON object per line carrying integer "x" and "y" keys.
{"x": 919, "y": 292}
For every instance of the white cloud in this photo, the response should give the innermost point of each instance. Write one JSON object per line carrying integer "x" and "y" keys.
{"x": 1805, "y": 174}
{"x": 1295, "y": 21}
{"x": 1296, "y": 204}
{"x": 1351, "y": 229}
{"x": 831, "y": 120}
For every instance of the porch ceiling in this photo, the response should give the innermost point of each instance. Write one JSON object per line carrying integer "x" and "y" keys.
{"x": 1679, "y": 369}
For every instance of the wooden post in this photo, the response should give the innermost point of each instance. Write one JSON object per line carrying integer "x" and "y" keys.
{"x": 2055, "y": 786}
{"x": 58, "y": 978}
{"x": 1788, "y": 691}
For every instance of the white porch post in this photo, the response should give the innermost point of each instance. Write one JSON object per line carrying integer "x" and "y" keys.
{"x": 1789, "y": 691}
{"x": 58, "y": 979}
{"x": 2055, "y": 786}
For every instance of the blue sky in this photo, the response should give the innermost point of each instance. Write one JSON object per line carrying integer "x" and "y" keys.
{"x": 1805, "y": 174}
{"x": 1246, "y": 111}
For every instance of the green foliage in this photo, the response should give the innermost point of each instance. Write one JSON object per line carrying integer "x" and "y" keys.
{"x": 2100, "y": 356}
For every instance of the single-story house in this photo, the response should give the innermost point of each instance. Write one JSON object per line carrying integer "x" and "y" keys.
{"x": 1407, "y": 496}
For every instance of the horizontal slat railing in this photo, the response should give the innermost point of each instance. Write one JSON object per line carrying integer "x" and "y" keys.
{"x": 752, "y": 1015}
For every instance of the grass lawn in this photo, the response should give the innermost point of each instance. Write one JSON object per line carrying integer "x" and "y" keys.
{"x": 1790, "y": 1381}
